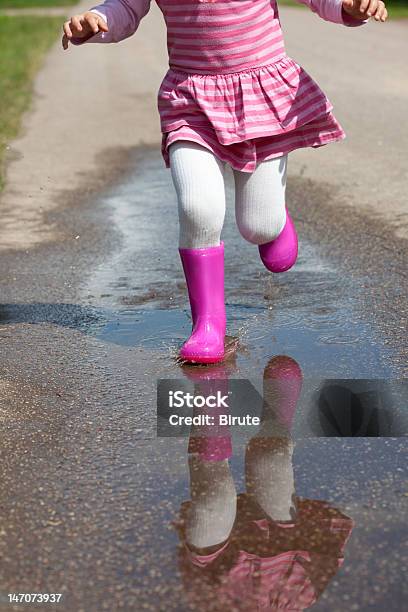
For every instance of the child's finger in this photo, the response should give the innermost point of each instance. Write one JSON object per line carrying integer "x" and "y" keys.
{"x": 76, "y": 23}
{"x": 92, "y": 21}
{"x": 372, "y": 7}
{"x": 96, "y": 23}
{"x": 383, "y": 14}
{"x": 363, "y": 5}
{"x": 380, "y": 11}
{"x": 67, "y": 29}
{"x": 102, "y": 24}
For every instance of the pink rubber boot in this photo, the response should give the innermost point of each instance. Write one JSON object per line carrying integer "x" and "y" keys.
{"x": 280, "y": 254}
{"x": 204, "y": 272}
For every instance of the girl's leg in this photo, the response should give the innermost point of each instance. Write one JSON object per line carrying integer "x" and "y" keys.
{"x": 199, "y": 183}
{"x": 198, "y": 178}
{"x": 260, "y": 200}
{"x": 262, "y": 216}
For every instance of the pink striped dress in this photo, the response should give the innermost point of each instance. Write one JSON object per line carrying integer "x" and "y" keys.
{"x": 266, "y": 565}
{"x": 230, "y": 85}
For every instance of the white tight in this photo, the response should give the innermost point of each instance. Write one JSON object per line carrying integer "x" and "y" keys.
{"x": 198, "y": 177}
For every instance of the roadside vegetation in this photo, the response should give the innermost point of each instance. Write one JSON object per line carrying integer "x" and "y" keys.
{"x": 23, "y": 44}
{"x": 19, "y": 4}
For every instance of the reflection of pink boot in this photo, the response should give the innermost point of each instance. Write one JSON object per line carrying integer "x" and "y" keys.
{"x": 286, "y": 375}
{"x": 210, "y": 442}
{"x": 204, "y": 272}
{"x": 280, "y": 254}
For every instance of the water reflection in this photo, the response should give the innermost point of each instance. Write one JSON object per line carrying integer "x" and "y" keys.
{"x": 265, "y": 548}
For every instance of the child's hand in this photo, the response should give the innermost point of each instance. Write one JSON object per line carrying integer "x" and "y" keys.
{"x": 364, "y": 9}
{"x": 82, "y": 26}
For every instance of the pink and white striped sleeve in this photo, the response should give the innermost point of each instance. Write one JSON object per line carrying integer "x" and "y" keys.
{"x": 332, "y": 10}
{"x": 122, "y": 17}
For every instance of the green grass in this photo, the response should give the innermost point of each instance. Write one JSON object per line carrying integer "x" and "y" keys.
{"x": 17, "y": 4}
{"x": 396, "y": 8}
{"x": 23, "y": 43}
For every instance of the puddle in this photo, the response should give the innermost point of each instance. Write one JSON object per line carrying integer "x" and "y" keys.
{"x": 350, "y": 351}
{"x": 313, "y": 313}
{"x": 235, "y": 554}
{"x": 307, "y": 511}
{"x": 248, "y": 550}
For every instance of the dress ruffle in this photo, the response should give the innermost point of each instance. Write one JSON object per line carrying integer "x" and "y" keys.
{"x": 247, "y": 154}
{"x": 248, "y": 116}
{"x": 268, "y": 100}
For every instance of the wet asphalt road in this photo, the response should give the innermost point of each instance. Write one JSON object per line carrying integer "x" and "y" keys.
{"x": 90, "y": 322}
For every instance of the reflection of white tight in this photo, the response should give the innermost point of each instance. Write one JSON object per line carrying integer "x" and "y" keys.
{"x": 269, "y": 481}
{"x": 198, "y": 177}
{"x": 213, "y": 505}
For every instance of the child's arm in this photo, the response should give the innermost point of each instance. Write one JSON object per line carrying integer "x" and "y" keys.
{"x": 348, "y": 12}
{"x": 112, "y": 21}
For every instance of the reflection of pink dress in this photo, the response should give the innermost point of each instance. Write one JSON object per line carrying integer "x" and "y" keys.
{"x": 266, "y": 565}
{"x": 230, "y": 85}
